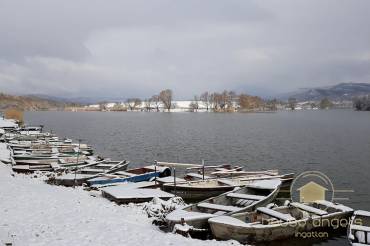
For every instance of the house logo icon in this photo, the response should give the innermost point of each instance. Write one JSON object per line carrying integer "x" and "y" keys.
{"x": 311, "y": 186}
{"x": 311, "y": 192}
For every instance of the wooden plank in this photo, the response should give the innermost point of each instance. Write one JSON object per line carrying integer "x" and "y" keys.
{"x": 226, "y": 182}
{"x": 218, "y": 207}
{"x": 125, "y": 173}
{"x": 173, "y": 164}
{"x": 308, "y": 208}
{"x": 197, "y": 176}
{"x": 362, "y": 213}
{"x": 245, "y": 196}
{"x": 275, "y": 214}
{"x": 360, "y": 228}
{"x": 55, "y": 165}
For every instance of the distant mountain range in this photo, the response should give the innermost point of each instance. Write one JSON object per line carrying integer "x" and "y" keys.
{"x": 31, "y": 102}
{"x": 339, "y": 92}
{"x": 79, "y": 100}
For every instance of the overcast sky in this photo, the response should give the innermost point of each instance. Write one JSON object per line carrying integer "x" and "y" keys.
{"x": 136, "y": 48}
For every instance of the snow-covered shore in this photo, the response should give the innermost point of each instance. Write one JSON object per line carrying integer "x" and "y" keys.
{"x": 34, "y": 213}
{"x": 4, "y": 153}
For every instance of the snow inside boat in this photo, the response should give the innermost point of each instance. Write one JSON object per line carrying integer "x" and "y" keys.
{"x": 283, "y": 222}
{"x": 256, "y": 194}
{"x": 359, "y": 228}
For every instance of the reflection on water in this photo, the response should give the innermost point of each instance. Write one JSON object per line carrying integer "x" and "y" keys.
{"x": 335, "y": 142}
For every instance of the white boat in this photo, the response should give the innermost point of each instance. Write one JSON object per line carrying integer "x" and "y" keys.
{"x": 359, "y": 228}
{"x": 279, "y": 223}
{"x": 247, "y": 198}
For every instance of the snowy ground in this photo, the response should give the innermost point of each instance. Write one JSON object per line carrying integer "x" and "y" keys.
{"x": 4, "y": 153}
{"x": 34, "y": 213}
{"x": 7, "y": 123}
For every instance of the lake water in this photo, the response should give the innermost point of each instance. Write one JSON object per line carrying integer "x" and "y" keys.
{"x": 335, "y": 142}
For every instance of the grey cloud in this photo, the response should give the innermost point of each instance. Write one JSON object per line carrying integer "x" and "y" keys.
{"x": 135, "y": 48}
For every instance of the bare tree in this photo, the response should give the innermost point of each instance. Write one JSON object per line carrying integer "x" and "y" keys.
{"x": 212, "y": 101}
{"x": 247, "y": 102}
{"x": 226, "y": 100}
{"x": 206, "y": 99}
{"x": 232, "y": 98}
{"x": 194, "y": 105}
{"x": 133, "y": 103}
{"x": 216, "y": 99}
{"x": 166, "y": 98}
{"x": 292, "y": 102}
{"x": 156, "y": 101}
{"x": 103, "y": 106}
{"x": 270, "y": 105}
{"x": 148, "y": 104}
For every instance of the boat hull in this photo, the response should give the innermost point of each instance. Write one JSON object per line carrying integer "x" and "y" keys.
{"x": 147, "y": 175}
{"x": 195, "y": 194}
{"x": 137, "y": 178}
{"x": 266, "y": 233}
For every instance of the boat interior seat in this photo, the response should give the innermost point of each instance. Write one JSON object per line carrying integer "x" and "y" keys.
{"x": 219, "y": 213}
{"x": 226, "y": 182}
{"x": 361, "y": 234}
{"x": 125, "y": 173}
{"x": 360, "y": 228}
{"x": 218, "y": 207}
{"x": 92, "y": 170}
{"x": 275, "y": 214}
{"x": 244, "y": 203}
{"x": 104, "y": 166}
{"x": 55, "y": 165}
{"x": 309, "y": 208}
{"x": 360, "y": 237}
{"x": 197, "y": 176}
{"x": 245, "y": 196}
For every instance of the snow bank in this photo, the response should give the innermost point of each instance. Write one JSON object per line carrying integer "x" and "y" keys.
{"x": 8, "y": 123}
{"x": 34, "y": 213}
{"x": 4, "y": 153}
{"x": 158, "y": 208}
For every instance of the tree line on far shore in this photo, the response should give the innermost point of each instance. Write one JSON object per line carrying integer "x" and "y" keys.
{"x": 225, "y": 101}
{"x": 325, "y": 103}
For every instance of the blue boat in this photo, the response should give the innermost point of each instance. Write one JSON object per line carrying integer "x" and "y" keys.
{"x": 133, "y": 175}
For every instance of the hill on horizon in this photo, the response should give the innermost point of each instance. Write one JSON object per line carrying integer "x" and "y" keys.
{"x": 31, "y": 103}
{"x": 339, "y": 92}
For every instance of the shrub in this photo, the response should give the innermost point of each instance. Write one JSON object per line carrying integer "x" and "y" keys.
{"x": 14, "y": 114}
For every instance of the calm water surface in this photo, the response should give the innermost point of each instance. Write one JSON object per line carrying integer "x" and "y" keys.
{"x": 335, "y": 142}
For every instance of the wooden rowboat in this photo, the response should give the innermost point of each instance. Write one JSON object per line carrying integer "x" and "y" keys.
{"x": 195, "y": 191}
{"x": 256, "y": 194}
{"x": 147, "y": 173}
{"x": 279, "y": 223}
{"x": 30, "y": 166}
{"x": 83, "y": 173}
